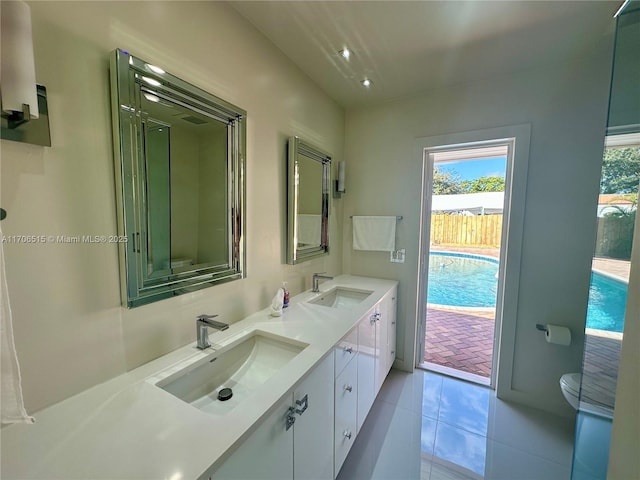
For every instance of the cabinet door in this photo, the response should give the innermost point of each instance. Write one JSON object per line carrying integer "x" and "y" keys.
{"x": 346, "y": 401}
{"x": 367, "y": 327}
{"x": 313, "y": 430}
{"x": 393, "y": 316}
{"x": 266, "y": 454}
{"x": 346, "y": 350}
{"x": 387, "y": 337}
{"x": 382, "y": 339}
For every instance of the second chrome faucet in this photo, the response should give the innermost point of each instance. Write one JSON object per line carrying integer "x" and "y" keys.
{"x": 203, "y": 323}
{"x": 316, "y": 280}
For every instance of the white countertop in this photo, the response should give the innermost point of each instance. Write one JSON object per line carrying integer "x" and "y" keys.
{"x": 128, "y": 428}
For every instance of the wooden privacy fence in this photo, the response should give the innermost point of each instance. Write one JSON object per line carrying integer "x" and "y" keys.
{"x": 478, "y": 230}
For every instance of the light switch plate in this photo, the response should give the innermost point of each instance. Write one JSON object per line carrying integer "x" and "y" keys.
{"x": 397, "y": 256}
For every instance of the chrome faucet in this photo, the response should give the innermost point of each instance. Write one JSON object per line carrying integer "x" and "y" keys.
{"x": 316, "y": 279}
{"x": 203, "y": 322}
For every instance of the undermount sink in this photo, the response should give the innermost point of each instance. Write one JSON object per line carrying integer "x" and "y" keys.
{"x": 341, "y": 297}
{"x": 242, "y": 366}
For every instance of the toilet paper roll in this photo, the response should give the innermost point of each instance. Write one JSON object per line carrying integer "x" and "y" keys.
{"x": 558, "y": 335}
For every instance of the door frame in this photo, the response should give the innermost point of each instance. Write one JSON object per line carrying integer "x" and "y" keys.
{"x": 517, "y": 137}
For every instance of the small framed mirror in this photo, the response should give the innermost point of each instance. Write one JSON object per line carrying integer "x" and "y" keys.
{"x": 179, "y": 158}
{"x": 309, "y": 179}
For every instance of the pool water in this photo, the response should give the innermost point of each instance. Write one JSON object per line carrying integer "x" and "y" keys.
{"x": 463, "y": 280}
{"x": 607, "y": 303}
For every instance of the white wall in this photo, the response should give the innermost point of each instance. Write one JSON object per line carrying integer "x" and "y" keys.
{"x": 70, "y": 329}
{"x": 566, "y": 105}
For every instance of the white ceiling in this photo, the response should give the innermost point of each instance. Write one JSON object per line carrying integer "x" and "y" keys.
{"x": 409, "y": 47}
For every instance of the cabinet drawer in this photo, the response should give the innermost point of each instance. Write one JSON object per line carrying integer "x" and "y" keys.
{"x": 346, "y": 402}
{"x": 346, "y": 350}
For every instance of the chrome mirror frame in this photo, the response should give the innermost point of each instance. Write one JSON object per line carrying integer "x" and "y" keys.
{"x": 137, "y": 287}
{"x": 296, "y": 254}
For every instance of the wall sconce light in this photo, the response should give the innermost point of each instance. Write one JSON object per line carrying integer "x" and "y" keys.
{"x": 340, "y": 188}
{"x": 23, "y": 102}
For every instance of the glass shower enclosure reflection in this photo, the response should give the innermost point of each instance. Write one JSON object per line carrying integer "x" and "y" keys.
{"x": 616, "y": 217}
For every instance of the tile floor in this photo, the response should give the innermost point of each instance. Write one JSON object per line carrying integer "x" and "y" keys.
{"x": 430, "y": 427}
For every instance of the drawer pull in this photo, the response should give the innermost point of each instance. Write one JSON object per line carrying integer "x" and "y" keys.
{"x": 348, "y": 349}
{"x": 348, "y": 388}
{"x": 347, "y": 434}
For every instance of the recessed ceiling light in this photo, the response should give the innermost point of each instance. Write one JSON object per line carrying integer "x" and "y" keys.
{"x": 366, "y": 82}
{"x": 345, "y": 53}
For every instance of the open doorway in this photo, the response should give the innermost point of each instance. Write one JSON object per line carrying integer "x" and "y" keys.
{"x": 466, "y": 216}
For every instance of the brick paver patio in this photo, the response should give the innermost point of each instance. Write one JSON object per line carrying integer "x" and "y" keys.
{"x": 461, "y": 339}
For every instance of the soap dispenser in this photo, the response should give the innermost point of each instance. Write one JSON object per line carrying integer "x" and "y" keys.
{"x": 285, "y": 302}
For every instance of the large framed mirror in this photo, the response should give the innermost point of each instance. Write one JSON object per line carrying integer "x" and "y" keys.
{"x": 308, "y": 178}
{"x": 179, "y": 163}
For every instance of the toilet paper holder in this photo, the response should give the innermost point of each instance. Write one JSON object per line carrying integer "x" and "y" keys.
{"x": 542, "y": 328}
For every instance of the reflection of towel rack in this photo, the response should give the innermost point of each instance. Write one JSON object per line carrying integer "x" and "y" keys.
{"x": 398, "y": 217}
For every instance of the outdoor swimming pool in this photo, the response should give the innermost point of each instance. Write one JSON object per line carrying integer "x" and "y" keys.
{"x": 458, "y": 279}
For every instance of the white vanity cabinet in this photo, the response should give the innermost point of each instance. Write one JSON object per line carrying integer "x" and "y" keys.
{"x": 368, "y": 357}
{"x": 313, "y": 430}
{"x": 266, "y": 454}
{"x": 346, "y": 397}
{"x": 346, "y": 350}
{"x": 376, "y": 351}
{"x": 387, "y": 336}
{"x": 293, "y": 442}
{"x": 341, "y": 355}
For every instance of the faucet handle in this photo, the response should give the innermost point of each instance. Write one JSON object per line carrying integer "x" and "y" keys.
{"x": 206, "y": 317}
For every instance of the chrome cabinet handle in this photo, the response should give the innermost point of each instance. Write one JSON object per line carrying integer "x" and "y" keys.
{"x": 347, "y": 434}
{"x": 348, "y": 388}
{"x": 375, "y": 318}
{"x": 290, "y": 419}
{"x": 304, "y": 403}
{"x": 348, "y": 349}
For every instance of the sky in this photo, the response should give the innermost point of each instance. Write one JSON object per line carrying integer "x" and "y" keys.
{"x": 472, "y": 169}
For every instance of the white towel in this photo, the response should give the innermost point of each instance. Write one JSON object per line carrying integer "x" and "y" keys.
{"x": 11, "y": 402}
{"x": 374, "y": 233}
{"x": 309, "y": 229}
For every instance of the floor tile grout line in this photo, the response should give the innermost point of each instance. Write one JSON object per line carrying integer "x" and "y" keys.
{"x": 464, "y": 429}
{"x": 539, "y": 457}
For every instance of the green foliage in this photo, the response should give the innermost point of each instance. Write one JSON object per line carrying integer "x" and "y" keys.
{"x": 449, "y": 182}
{"x": 446, "y": 183}
{"x": 620, "y": 170}
{"x": 483, "y": 184}
{"x": 620, "y": 212}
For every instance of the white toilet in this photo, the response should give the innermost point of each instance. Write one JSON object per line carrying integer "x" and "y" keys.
{"x": 570, "y": 386}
